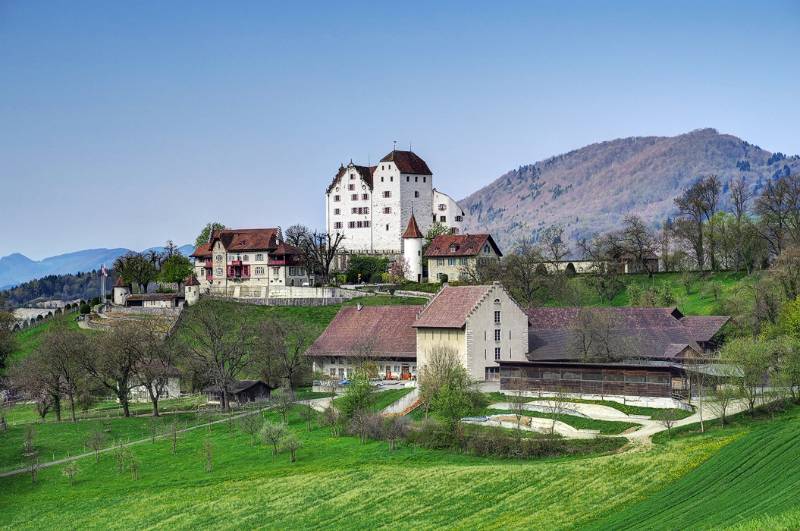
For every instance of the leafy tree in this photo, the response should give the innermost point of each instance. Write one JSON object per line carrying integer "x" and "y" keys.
{"x": 61, "y": 351}
{"x": 754, "y": 359}
{"x": 96, "y": 441}
{"x": 697, "y": 205}
{"x": 554, "y": 243}
{"x": 8, "y": 342}
{"x": 252, "y": 425}
{"x": 137, "y": 269}
{"x": 291, "y": 443}
{"x": 786, "y": 270}
{"x": 70, "y": 471}
{"x": 363, "y": 268}
{"x": 283, "y": 401}
{"x": 205, "y": 234}
{"x": 358, "y": 397}
{"x": 778, "y": 215}
{"x": 279, "y": 352}
{"x": 436, "y": 229}
{"x": 175, "y": 268}
{"x": 273, "y": 433}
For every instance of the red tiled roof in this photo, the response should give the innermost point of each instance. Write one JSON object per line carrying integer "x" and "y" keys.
{"x": 412, "y": 231}
{"x": 705, "y": 327}
{"x": 120, "y": 283}
{"x": 459, "y": 245}
{"x": 408, "y": 162}
{"x": 202, "y": 251}
{"x": 284, "y": 248}
{"x": 235, "y": 240}
{"x": 381, "y": 331}
{"x": 191, "y": 280}
{"x": 450, "y": 307}
{"x": 365, "y": 172}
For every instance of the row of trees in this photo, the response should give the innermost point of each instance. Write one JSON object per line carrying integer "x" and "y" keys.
{"x": 140, "y": 269}
{"x": 214, "y": 348}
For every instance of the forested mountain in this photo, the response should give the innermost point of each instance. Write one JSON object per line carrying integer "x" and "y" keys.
{"x": 65, "y": 287}
{"x": 17, "y": 268}
{"x": 592, "y": 189}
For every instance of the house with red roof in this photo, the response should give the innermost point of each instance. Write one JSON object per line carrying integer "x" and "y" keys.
{"x": 449, "y": 255}
{"x": 247, "y": 263}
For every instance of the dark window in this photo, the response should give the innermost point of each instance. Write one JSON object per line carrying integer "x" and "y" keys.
{"x": 497, "y": 334}
{"x": 634, "y": 378}
{"x": 549, "y": 375}
{"x": 416, "y": 193}
{"x": 595, "y": 376}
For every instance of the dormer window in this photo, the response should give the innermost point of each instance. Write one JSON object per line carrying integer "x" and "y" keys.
{"x": 453, "y": 247}
{"x": 486, "y": 249}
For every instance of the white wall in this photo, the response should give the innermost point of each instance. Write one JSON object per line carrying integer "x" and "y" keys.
{"x": 453, "y": 213}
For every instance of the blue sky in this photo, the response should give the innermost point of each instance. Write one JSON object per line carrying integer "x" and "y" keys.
{"x": 130, "y": 123}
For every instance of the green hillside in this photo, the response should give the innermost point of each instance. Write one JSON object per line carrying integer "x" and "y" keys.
{"x": 752, "y": 482}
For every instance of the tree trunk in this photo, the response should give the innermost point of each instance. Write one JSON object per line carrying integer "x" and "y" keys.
{"x": 155, "y": 406}
{"x": 72, "y": 407}
{"x": 226, "y": 405}
{"x": 57, "y": 407}
{"x": 123, "y": 401}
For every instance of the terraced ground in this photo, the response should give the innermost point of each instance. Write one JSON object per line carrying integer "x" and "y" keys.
{"x": 752, "y": 483}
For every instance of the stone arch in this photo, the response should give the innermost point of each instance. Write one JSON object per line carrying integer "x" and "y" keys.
{"x": 570, "y": 269}
{"x": 39, "y": 317}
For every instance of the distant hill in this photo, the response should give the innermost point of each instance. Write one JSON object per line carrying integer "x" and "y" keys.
{"x": 593, "y": 188}
{"x": 17, "y": 268}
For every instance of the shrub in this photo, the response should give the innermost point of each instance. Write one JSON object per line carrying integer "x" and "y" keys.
{"x": 432, "y": 434}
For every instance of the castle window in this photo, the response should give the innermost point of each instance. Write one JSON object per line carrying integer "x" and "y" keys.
{"x": 387, "y": 226}
{"x": 497, "y": 353}
{"x": 387, "y": 210}
{"x": 381, "y": 179}
{"x": 259, "y": 258}
{"x": 387, "y": 193}
{"x": 416, "y": 179}
{"x": 259, "y": 270}
{"x": 354, "y": 197}
{"x": 366, "y": 224}
{"x": 423, "y": 179}
{"x": 381, "y": 168}
{"x": 497, "y": 334}
{"x": 337, "y": 211}
{"x": 351, "y": 187}
{"x": 364, "y": 196}
{"x": 353, "y": 210}
{"x": 416, "y": 193}
{"x": 408, "y": 179}
{"x": 451, "y": 261}
{"x": 497, "y": 317}
{"x": 442, "y": 206}
{"x": 351, "y": 224}
{"x": 443, "y": 218}
{"x": 246, "y": 258}
{"x": 337, "y": 225}
{"x": 459, "y": 218}
{"x": 337, "y": 198}
{"x": 218, "y": 258}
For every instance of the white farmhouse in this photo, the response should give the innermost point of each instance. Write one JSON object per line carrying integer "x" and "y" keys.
{"x": 371, "y": 205}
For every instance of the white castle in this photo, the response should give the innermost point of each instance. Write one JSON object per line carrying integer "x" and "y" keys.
{"x": 371, "y": 205}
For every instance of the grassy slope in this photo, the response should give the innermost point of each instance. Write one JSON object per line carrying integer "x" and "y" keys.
{"x": 29, "y": 339}
{"x": 751, "y": 483}
{"x": 338, "y": 482}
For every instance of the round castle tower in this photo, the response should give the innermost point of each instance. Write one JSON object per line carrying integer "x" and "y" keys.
{"x": 412, "y": 250}
{"x": 191, "y": 290}
{"x": 120, "y": 292}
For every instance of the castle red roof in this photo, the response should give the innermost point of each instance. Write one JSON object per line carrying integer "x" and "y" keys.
{"x": 191, "y": 280}
{"x": 412, "y": 231}
{"x": 460, "y": 245}
{"x": 374, "y": 331}
{"x": 202, "y": 251}
{"x": 408, "y": 162}
{"x": 120, "y": 283}
{"x": 238, "y": 240}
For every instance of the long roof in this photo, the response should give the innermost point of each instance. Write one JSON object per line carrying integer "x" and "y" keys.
{"x": 408, "y": 162}
{"x": 238, "y": 240}
{"x": 451, "y": 306}
{"x": 374, "y": 331}
{"x": 456, "y": 245}
{"x": 202, "y": 251}
{"x": 650, "y": 333}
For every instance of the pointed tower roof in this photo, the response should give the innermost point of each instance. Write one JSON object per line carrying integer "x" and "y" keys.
{"x": 120, "y": 283}
{"x": 191, "y": 280}
{"x": 412, "y": 231}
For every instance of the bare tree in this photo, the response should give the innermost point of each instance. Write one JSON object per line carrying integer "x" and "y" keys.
{"x": 697, "y": 205}
{"x": 39, "y": 381}
{"x": 722, "y": 396}
{"x": 317, "y": 248}
{"x": 558, "y": 405}
{"x": 604, "y": 272}
{"x": 518, "y": 401}
{"x": 220, "y": 344}
{"x": 96, "y": 441}
{"x": 308, "y": 414}
{"x": 787, "y": 271}
{"x": 667, "y": 418}
{"x": 395, "y": 428}
{"x": 282, "y": 398}
{"x": 600, "y": 335}
{"x": 208, "y": 453}
{"x": 70, "y": 471}
{"x": 61, "y": 351}
{"x": 778, "y": 212}
{"x": 554, "y": 242}
{"x": 331, "y": 419}
{"x": 252, "y": 426}
{"x": 114, "y": 358}
{"x": 156, "y": 365}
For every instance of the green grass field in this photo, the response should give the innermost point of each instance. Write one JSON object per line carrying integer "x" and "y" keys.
{"x": 749, "y": 468}
{"x": 751, "y": 483}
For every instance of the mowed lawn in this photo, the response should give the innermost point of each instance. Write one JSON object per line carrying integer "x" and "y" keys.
{"x": 752, "y": 483}
{"x": 338, "y": 482}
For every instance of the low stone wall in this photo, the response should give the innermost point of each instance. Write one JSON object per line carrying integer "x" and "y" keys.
{"x": 407, "y": 293}
{"x": 291, "y": 302}
{"x": 642, "y": 401}
{"x": 294, "y": 292}
{"x": 140, "y": 310}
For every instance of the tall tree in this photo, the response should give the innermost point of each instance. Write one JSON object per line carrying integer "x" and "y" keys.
{"x": 554, "y": 243}
{"x": 778, "y": 210}
{"x": 114, "y": 359}
{"x": 697, "y": 206}
{"x": 218, "y": 343}
{"x": 156, "y": 363}
{"x": 61, "y": 351}
{"x": 205, "y": 234}
{"x": 8, "y": 342}
{"x": 175, "y": 269}
{"x": 280, "y": 351}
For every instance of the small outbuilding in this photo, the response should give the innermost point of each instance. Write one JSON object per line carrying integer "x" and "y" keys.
{"x": 241, "y": 392}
